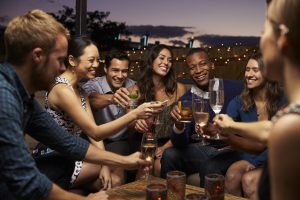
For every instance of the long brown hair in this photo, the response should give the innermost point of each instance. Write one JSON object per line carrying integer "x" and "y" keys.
{"x": 273, "y": 91}
{"x": 145, "y": 83}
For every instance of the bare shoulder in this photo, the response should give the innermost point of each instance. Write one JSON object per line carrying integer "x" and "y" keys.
{"x": 286, "y": 129}
{"x": 59, "y": 94}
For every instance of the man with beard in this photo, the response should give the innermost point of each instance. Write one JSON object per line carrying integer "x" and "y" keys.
{"x": 186, "y": 155}
{"x": 36, "y": 47}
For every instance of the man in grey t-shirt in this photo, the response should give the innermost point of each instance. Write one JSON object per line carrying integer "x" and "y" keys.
{"x": 104, "y": 99}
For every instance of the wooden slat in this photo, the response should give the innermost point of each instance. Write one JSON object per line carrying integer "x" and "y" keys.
{"x": 136, "y": 190}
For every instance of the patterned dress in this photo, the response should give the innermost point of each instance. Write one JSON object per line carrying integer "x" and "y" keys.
{"x": 66, "y": 123}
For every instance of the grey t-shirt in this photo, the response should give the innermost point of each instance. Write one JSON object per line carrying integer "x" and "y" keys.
{"x": 110, "y": 112}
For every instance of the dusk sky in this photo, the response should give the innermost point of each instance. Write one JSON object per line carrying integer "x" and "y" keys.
{"x": 221, "y": 17}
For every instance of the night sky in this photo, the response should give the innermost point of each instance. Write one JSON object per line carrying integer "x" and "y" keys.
{"x": 221, "y": 17}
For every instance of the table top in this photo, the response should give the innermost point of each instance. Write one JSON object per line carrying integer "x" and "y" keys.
{"x": 136, "y": 190}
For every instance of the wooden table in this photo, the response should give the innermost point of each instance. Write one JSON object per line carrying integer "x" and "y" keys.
{"x": 136, "y": 190}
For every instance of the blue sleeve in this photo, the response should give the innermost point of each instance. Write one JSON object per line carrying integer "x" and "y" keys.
{"x": 44, "y": 129}
{"x": 183, "y": 139}
{"x": 233, "y": 109}
{"x": 17, "y": 167}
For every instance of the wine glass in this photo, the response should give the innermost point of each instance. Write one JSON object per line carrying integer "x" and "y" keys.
{"x": 216, "y": 97}
{"x": 201, "y": 117}
{"x": 148, "y": 149}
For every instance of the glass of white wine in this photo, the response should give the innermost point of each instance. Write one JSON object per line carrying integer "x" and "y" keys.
{"x": 148, "y": 149}
{"x": 201, "y": 117}
{"x": 216, "y": 97}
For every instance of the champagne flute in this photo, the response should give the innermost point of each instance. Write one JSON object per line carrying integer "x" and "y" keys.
{"x": 148, "y": 149}
{"x": 216, "y": 97}
{"x": 201, "y": 117}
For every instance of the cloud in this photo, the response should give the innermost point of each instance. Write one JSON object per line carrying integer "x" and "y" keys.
{"x": 4, "y": 19}
{"x": 159, "y": 31}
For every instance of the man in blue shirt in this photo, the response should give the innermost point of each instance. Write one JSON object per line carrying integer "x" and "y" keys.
{"x": 36, "y": 46}
{"x": 192, "y": 157}
{"x": 104, "y": 101}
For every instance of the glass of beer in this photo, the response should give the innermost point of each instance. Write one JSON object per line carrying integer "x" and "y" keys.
{"x": 156, "y": 191}
{"x": 215, "y": 186}
{"x": 185, "y": 107}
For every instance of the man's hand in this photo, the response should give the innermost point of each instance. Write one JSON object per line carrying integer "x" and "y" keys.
{"x": 105, "y": 177}
{"x": 135, "y": 161}
{"x": 121, "y": 98}
{"x": 176, "y": 116}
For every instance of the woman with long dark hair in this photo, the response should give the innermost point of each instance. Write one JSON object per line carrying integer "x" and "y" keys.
{"x": 259, "y": 100}
{"x": 158, "y": 83}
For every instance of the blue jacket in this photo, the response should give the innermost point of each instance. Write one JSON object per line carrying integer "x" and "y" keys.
{"x": 231, "y": 89}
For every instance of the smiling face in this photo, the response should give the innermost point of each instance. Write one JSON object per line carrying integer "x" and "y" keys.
{"x": 116, "y": 73}
{"x": 162, "y": 63}
{"x": 88, "y": 63}
{"x": 199, "y": 68}
{"x": 253, "y": 75}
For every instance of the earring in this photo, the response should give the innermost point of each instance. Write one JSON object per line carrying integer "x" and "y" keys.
{"x": 73, "y": 70}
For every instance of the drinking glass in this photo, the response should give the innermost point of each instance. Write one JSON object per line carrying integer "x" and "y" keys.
{"x": 156, "y": 191}
{"x": 176, "y": 181}
{"x": 148, "y": 149}
{"x": 216, "y": 97}
{"x": 133, "y": 95}
{"x": 185, "y": 107}
{"x": 215, "y": 186}
{"x": 196, "y": 196}
{"x": 201, "y": 117}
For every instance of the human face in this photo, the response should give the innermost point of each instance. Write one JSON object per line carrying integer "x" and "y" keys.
{"x": 162, "y": 63}
{"x": 253, "y": 75}
{"x": 116, "y": 73}
{"x": 51, "y": 65}
{"x": 199, "y": 68}
{"x": 88, "y": 63}
{"x": 272, "y": 57}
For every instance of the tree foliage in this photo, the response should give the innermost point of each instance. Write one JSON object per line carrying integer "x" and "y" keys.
{"x": 101, "y": 30}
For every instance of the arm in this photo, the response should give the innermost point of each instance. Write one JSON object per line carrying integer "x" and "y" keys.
{"x": 284, "y": 148}
{"x": 258, "y": 131}
{"x": 245, "y": 144}
{"x": 62, "y": 98}
{"x": 44, "y": 129}
{"x": 120, "y": 97}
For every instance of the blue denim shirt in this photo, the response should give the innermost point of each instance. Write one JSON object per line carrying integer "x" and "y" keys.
{"x": 20, "y": 113}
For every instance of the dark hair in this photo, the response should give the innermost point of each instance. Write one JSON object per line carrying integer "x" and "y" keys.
{"x": 273, "y": 91}
{"x": 77, "y": 45}
{"x": 118, "y": 54}
{"x": 145, "y": 83}
{"x": 196, "y": 50}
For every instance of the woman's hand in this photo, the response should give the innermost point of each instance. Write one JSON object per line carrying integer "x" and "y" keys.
{"x": 105, "y": 177}
{"x": 141, "y": 126}
{"x": 148, "y": 109}
{"x": 224, "y": 122}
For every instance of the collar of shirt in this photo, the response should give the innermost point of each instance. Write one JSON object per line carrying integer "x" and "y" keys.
{"x": 197, "y": 91}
